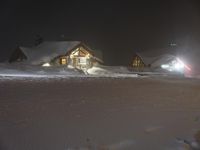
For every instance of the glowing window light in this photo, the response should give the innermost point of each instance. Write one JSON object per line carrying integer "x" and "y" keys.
{"x": 165, "y": 66}
{"x": 82, "y": 60}
{"x": 63, "y": 61}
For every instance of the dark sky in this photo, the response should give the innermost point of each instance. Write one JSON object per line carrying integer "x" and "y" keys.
{"x": 118, "y": 28}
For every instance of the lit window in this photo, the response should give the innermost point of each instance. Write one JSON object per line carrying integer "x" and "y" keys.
{"x": 63, "y": 61}
{"x": 137, "y": 62}
{"x": 82, "y": 60}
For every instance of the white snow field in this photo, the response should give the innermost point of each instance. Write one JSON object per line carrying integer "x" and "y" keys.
{"x": 28, "y": 71}
{"x": 98, "y": 113}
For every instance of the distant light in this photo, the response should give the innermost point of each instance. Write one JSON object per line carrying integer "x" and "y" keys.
{"x": 173, "y": 44}
{"x": 179, "y": 65}
{"x": 176, "y": 65}
{"x": 165, "y": 66}
{"x": 46, "y": 65}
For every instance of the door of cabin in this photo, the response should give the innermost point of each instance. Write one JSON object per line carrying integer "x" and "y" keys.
{"x": 74, "y": 62}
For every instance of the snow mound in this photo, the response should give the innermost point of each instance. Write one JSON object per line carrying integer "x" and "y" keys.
{"x": 112, "y": 71}
{"x": 16, "y": 70}
{"x": 32, "y": 71}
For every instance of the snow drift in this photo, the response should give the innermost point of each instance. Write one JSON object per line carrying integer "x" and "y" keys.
{"x": 21, "y": 70}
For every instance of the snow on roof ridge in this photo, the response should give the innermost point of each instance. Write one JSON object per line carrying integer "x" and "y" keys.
{"x": 47, "y": 50}
{"x": 148, "y": 60}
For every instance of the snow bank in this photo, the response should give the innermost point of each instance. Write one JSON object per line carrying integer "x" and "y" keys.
{"x": 112, "y": 71}
{"x": 19, "y": 70}
{"x": 121, "y": 71}
{"x": 22, "y": 70}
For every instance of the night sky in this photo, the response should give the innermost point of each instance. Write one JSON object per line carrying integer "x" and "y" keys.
{"x": 118, "y": 28}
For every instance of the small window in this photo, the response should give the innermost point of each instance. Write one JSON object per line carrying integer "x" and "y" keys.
{"x": 138, "y": 62}
{"x": 63, "y": 61}
{"x": 82, "y": 60}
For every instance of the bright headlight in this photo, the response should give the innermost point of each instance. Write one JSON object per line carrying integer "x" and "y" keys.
{"x": 178, "y": 66}
{"x": 175, "y": 65}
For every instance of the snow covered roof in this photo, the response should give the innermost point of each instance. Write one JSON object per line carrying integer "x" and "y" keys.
{"x": 158, "y": 56}
{"x": 47, "y": 51}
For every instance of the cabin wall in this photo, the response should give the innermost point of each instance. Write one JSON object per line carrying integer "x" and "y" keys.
{"x": 138, "y": 63}
{"x": 17, "y": 56}
{"x": 79, "y": 62}
{"x": 80, "y": 57}
{"x": 58, "y": 61}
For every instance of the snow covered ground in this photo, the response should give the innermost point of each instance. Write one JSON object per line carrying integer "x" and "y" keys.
{"x": 16, "y": 71}
{"x": 98, "y": 113}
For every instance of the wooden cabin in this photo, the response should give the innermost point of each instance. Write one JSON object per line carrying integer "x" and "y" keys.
{"x": 60, "y": 53}
{"x": 153, "y": 60}
{"x": 138, "y": 62}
